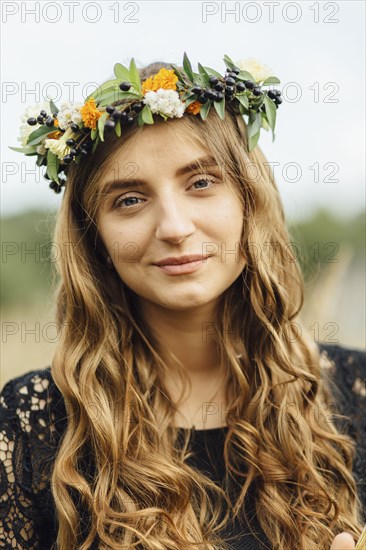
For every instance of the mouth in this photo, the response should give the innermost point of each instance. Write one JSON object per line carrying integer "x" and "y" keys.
{"x": 183, "y": 268}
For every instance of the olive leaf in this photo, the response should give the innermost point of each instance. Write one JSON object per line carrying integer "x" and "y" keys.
{"x": 229, "y": 63}
{"x": 220, "y": 108}
{"x": 146, "y": 115}
{"x": 53, "y": 163}
{"x": 271, "y": 80}
{"x": 212, "y": 72}
{"x": 134, "y": 75}
{"x": 118, "y": 128}
{"x": 178, "y": 73}
{"x": 121, "y": 72}
{"x": 37, "y": 136}
{"x": 53, "y": 107}
{"x": 270, "y": 111}
{"x": 205, "y": 109}
{"x": 188, "y": 67}
{"x": 25, "y": 150}
{"x": 243, "y": 99}
{"x": 101, "y": 122}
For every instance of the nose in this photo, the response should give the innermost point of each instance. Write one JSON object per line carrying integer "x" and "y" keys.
{"x": 174, "y": 222}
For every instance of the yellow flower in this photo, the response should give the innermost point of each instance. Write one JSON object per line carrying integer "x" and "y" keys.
{"x": 90, "y": 114}
{"x": 258, "y": 71}
{"x": 58, "y": 146}
{"x": 165, "y": 78}
{"x": 194, "y": 108}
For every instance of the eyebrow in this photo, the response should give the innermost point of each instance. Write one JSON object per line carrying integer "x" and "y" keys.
{"x": 125, "y": 183}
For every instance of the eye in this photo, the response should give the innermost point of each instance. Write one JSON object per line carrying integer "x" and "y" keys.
{"x": 121, "y": 201}
{"x": 210, "y": 179}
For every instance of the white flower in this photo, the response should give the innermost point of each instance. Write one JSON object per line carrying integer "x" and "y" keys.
{"x": 259, "y": 71}
{"x": 69, "y": 113}
{"x": 58, "y": 146}
{"x": 31, "y": 112}
{"x": 165, "y": 102}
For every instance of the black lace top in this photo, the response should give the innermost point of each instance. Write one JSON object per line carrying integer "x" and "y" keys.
{"x": 33, "y": 419}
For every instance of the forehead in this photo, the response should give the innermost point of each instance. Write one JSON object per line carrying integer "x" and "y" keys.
{"x": 156, "y": 147}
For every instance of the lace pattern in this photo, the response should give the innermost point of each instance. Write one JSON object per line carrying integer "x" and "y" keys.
{"x": 33, "y": 420}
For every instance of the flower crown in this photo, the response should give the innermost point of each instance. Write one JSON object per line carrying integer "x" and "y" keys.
{"x": 67, "y": 134}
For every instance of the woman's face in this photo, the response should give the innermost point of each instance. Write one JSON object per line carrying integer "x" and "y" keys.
{"x": 170, "y": 209}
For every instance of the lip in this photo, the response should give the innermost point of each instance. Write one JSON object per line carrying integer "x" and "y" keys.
{"x": 188, "y": 258}
{"x": 183, "y": 268}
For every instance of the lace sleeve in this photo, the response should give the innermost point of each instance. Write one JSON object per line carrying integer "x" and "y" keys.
{"x": 345, "y": 371}
{"x": 17, "y": 512}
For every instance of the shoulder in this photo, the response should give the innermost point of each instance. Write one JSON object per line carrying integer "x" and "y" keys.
{"x": 346, "y": 367}
{"x": 32, "y": 402}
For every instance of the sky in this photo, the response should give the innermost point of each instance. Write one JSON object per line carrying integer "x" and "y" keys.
{"x": 316, "y": 49}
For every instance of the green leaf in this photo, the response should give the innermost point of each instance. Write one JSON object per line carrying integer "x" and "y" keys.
{"x": 38, "y": 135}
{"x": 245, "y": 75}
{"x": 178, "y": 73}
{"x": 94, "y": 133}
{"x": 271, "y": 80}
{"x": 242, "y": 109}
{"x": 95, "y": 144}
{"x": 212, "y": 72}
{"x": 53, "y": 107}
{"x": 53, "y": 163}
{"x": 205, "y": 109}
{"x": 25, "y": 150}
{"x": 229, "y": 63}
{"x": 270, "y": 111}
{"x": 188, "y": 67}
{"x": 101, "y": 123}
{"x": 118, "y": 128}
{"x": 253, "y": 140}
{"x": 265, "y": 124}
{"x": 220, "y": 108}
{"x": 243, "y": 99}
{"x": 189, "y": 100}
{"x": 111, "y": 97}
{"x": 40, "y": 160}
{"x": 146, "y": 115}
{"x": 121, "y": 72}
{"x": 203, "y": 73}
{"x": 134, "y": 75}
{"x": 255, "y": 121}
{"x": 102, "y": 88}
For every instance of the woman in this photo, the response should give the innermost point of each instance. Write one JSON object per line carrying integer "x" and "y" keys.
{"x": 98, "y": 451}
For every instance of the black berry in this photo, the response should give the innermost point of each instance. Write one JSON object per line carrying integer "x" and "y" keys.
{"x": 109, "y": 124}
{"x": 70, "y": 142}
{"x": 49, "y": 121}
{"x": 197, "y": 89}
{"x": 43, "y": 113}
{"x": 219, "y": 87}
{"x": 32, "y": 121}
{"x": 257, "y": 91}
{"x": 67, "y": 159}
{"x": 229, "y": 90}
{"x": 110, "y": 109}
{"x": 249, "y": 84}
{"x": 74, "y": 127}
{"x": 271, "y": 94}
{"x": 40, "y": 119}
{"x": 229, "y": 81}
{"x": 202, "y": 99}
{"x": 125, "y": 86}
{"x": 240, "y": 86}
{"x": 213, "y": 80}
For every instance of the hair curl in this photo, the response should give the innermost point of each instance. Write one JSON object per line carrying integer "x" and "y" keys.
{"x": 108, "y": 367}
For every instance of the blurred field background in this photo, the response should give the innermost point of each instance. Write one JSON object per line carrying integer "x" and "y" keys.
{"x": 331, "y": 253}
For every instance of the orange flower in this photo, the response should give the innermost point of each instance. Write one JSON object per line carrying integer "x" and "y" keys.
{"x": 165, "y": 78}
{"x": 54, "y": 135}
{"x": 194, "y": 107}
{"x": 90, "y": 114}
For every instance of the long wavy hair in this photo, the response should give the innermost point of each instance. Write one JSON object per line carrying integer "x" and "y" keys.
{"x": 108, "y": 365}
